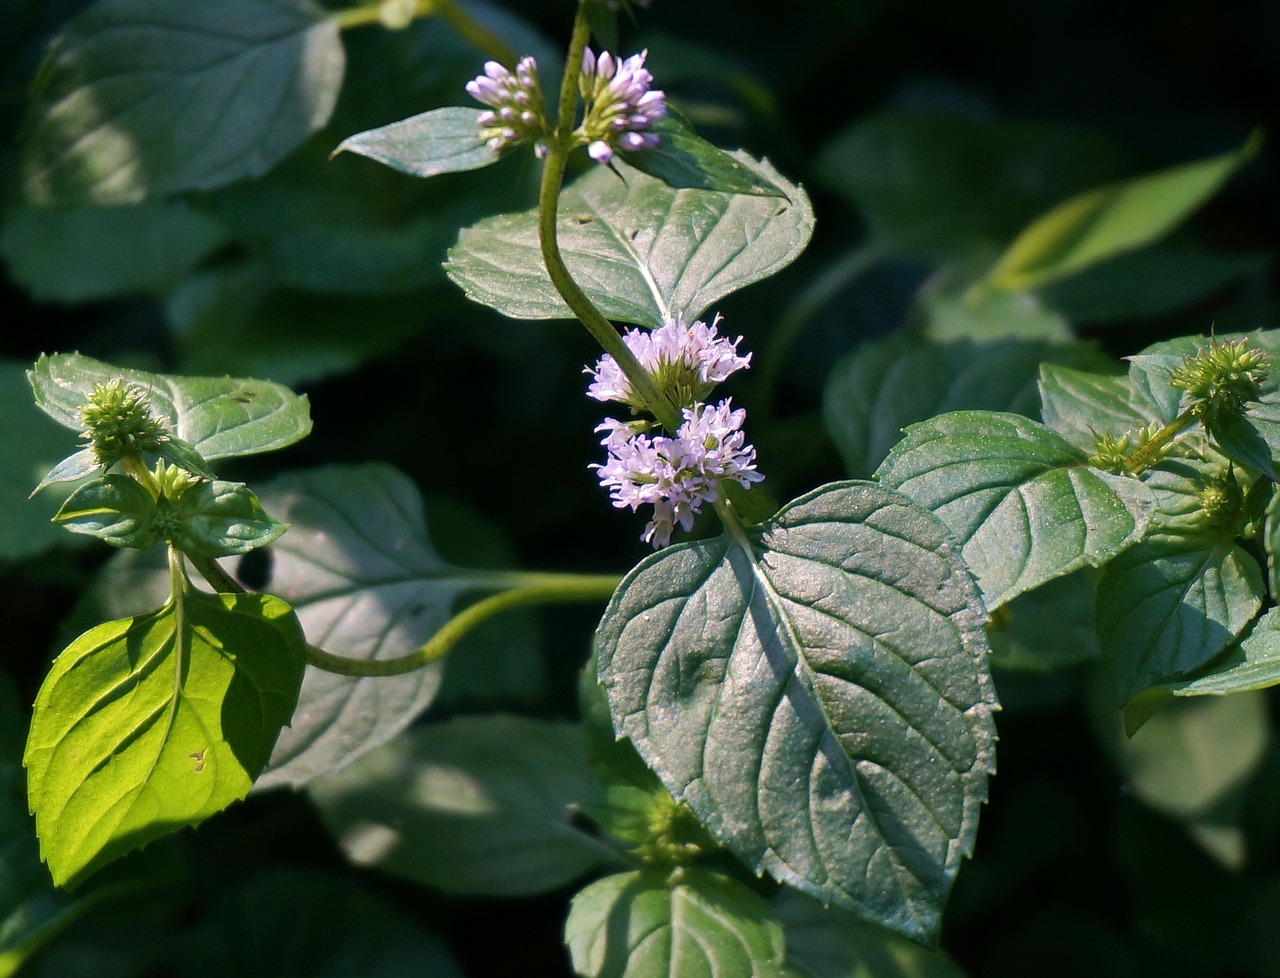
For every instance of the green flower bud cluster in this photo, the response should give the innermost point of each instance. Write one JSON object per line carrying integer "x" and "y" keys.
{"x": 1222, "y": 501}
{"x": 1220, "y": 379}
{"x": 1115, "y": 453}
{"x": 119, "y": 423}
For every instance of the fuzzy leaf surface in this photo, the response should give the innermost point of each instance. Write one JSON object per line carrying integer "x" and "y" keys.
{"x": 1020, "y": 500}
{"x": 642, "y": 251}
{"x": 147, "y": 98}
{"x": 216, "y": 416}
{"x": 816, "y": 690}
{"x": 649, "y": 924}
{"x": 440, "y": 141}
{"x": 148, "y": 724}
{"x": 474, "y": 805}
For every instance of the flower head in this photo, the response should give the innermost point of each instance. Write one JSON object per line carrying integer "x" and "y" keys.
{"x": 1221, "y": 378}
{"x": 518, "y": 112}
{"x": 685, "y": 360}
{"x": 620, "y": 107}
{"x": 118, "y": 421}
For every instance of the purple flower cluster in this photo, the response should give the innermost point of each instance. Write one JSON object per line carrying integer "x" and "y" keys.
{"x": 620, "y": 107}
{"x": 677, "y": 473}
{"x": 518, "y": 112}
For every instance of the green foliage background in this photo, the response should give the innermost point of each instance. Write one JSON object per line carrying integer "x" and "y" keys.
{"x": 927, "y": 139}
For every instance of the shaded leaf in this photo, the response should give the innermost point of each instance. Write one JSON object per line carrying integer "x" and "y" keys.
{"x": 116, "y": 509}
{"x": 217, "y": 416}
{"x": 1050, "y": 628}
{"x": 474, "y": 805}
{"x": 816, "y": 691}
{"x": 440, "y": 141}
{"x": 211, "y": 680}
{"x": 1080, "y": 405}
{"x": 145, "y": 98}
{"x": 642, "y": 251}
{"x": 1108, "y": 220}
{"x": 684, "y": 160}
{"x": 650, "y": 925}
{"x": 1250, "y": 664}
{"x": 994, "y": 316}
{"x": 1021, "y": 501}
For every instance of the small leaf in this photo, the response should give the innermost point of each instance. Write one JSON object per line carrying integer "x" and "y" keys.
{"x": 210, "y": 680}
{"x": 1250, "y": 664}
{"x": 474, "y": 805}
{"x": 1019, "y": 499}
{"x": 684, "y": 160}
{"x": 887, "y": 384}
{"x": 642, "y": 251}
{"x": 76, "y": 466}
{"x": 223, "y": 518}
{"x": 217, "y": 416}
{"x": 1170, "y": 604}
{"x": 147, "y": 98}
{"x": 650, "y": 925}
{"x": 115, "y": 509}
{"x": 440, "y": 141}
{"x": 816, "y": 690}
{"x": 1112, "y": 219}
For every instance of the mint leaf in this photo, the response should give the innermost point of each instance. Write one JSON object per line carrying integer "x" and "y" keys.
{"x": 684, "y": 160}
{"x": 440, "y": 141}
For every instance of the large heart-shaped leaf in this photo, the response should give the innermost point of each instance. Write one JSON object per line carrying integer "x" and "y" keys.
{"x": 653, "y": 924}
{"x": 217, "y": 416}
{"x": 642, "y": 251}
{"x": 476, "y": 805}
{"x": 816, "y": 690}
{"x": 147, "y": 724}
{"x": 1020, "y": 500}
{"x": 144, "y": 98}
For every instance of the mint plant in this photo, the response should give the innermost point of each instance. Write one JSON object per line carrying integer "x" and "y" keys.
{"x": 785, "y": 721}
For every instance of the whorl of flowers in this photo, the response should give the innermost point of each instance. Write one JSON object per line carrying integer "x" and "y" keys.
{"x": 118, "y": 422}
{"x": 517, "y": 110}
{"x": 674, "y": 473}
{"x": 620, "y": 106}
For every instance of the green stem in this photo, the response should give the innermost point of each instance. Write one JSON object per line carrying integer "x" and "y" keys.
{"x": 212, "y": 571}
{"x": 548, "y": 207}
{"x": 819, "y": 292}
{"x": 555, "y": 588}
{"x": 467, "y": 26}
{"x": 137, "y": 470}
{"x": 1146, "y": 456}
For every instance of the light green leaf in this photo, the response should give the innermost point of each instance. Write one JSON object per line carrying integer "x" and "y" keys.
{"x": 642, "y": 251}
{"x": 1170, "y": 604}
{"x": 1020, "y": 500}
{"x": 440, "y": 141}
{"x": 211, "y": 680}
{"x": 218, "y": 519}
{"x": 76, "y": 466}
{"x": 475, "y": 805}
{"x": 360, "y": 570}
{"x": 823, "y": 942}
{"x": 115, "y": 509}
{"x": 217, "y": 416}
{"x": 1112, "y": 219}
{"x": 887, "y": 384}
{"x": 146, "y": 98}
{"x": 816, "y": 690}
{"x": 87, "y": 253}
{"x": 1080, "y": 405}
{"x": 993, "y": 316}
{"x": 650, "y": 925}
{"x": 290, "y": 923}
{"x": 684, "y": 160}
{"x": 938, "y": 186}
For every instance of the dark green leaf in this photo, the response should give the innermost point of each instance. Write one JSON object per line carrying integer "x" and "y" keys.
{"x": 650, "y": 925}
{"x": 993, "y": 316}
{"x": 684, "y": 160}
{"x": 1170, "y": 604}
{"x": 1252, "y": 663}
{"x": 217, "y": 416}
{"x": 211, "y": 680}
{"x": 88, "y": 253}
{"x": 218, "y": 519}
{"x": 475, "y": 805}
{"x": 642, "y": 251}
{"x": 816, "y": 690}
{"x": 888, "y": 384}
{"x": 1050, "y": 628}
{"x": 440, "y": 141}
{"x": 1112, "y": 219}
{"x": 115, "y": 509}
{"x": 1019, "y": 499}
{"x": 1080, "y": 405}
{"x": 823, "y": 942}
{"x": 145, "y": 98}
{"x": 358, "y": 567}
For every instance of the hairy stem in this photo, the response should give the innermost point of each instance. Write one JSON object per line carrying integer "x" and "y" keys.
{"x": 1146, "y": 456}
{"x": 556, "y": 588}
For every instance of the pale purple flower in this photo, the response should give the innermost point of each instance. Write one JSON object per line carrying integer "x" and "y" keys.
{"x": 676, "y": 475}
{"x": 685, "y": 360}
{"x": 517, "y": 110}
{"x": 620, "y": 106}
